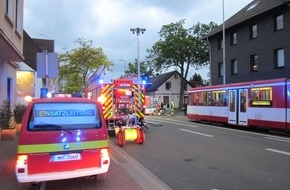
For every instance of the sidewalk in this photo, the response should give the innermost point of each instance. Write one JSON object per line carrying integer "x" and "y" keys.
{"x": 125, "y": 173}
{"x": 7, "y": 164}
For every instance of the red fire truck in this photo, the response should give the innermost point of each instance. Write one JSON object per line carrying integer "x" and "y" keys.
{"x": 118, "y": 98}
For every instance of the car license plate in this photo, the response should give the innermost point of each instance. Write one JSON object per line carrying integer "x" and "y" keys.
{"x": 65, "y": 157}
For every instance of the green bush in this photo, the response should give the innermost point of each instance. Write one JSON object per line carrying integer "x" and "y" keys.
{"x": 19, "y": 111}
{"x": 5, "y": 115}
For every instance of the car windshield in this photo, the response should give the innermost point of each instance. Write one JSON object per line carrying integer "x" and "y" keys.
{"x": 64, "y": 116}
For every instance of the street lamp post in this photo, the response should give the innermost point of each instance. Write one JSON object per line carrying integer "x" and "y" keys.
{"x": 138, "y": 31}
{"x": 124, "y": 63}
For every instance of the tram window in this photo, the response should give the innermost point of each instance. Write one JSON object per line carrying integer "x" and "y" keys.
{"x": 201, "y": 99}
{"x": 209, "y": 98}
{"x": 194, "y": 99}
{"x": 204, "y": 99}
{"x": 218, "y": 98}
{"x": 261, "y": 96}
{"x": 215, "y": 101}
{"x": 222, "y": 98}
{"x": 232, "y": 101}
{"x": 243, "y": 98}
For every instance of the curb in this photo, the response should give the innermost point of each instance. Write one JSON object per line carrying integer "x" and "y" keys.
{"x": 146, "y": 179}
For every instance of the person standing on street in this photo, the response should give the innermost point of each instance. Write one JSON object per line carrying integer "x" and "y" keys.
{"x": 184, "y": 108}
{"x": 172, "y": 107}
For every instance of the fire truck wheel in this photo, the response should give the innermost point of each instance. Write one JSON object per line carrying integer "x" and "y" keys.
{"x": 120, "y": 138}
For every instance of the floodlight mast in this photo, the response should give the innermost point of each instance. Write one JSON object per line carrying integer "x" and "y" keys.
{"x": 138, "y": 31}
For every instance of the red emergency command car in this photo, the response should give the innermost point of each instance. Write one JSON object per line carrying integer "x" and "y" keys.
{"x": 62, "y": 138}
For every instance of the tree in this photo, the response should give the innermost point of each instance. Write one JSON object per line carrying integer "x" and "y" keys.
{"x": 181, "y": 48}
{"x": 196, "y": 80}
{"x": 77, "y": 64}
{"x": 144, "y": 68}
{"x": 196, "y": 77}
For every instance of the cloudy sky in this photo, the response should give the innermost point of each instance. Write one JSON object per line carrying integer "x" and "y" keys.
{"x": 108, "y": 22}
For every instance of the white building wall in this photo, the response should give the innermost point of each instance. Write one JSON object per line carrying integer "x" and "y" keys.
{"x": 173, "y": 93}
{"x": 11, "y": 47}
{"x": 7, "y": 71}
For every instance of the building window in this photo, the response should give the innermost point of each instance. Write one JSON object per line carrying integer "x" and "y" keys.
{"x": 17, "y": 16}
{"x": 220, "y": 43}
{"x": 234, "y": 67}
{"x": 221, "y": 69}
{"x": 234, "y": 38}
{"x": 279, "y": 23}
{"x": 253, "y": 31}
{"x": 8, "y": 8}
{"x": 9, "y": 89}
{"x": 254, "y": 63}
{"x": 176, "y": 76}
{"x": 168, "y": 86}
{"x": 279, "y": 58}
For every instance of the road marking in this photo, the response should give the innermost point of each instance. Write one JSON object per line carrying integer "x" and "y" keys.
{"x": 153, "y": 123}
{"x": 278, "y": 151}
{"x": 278, "y": 139}
{"x": 203, "y": 134}
{"x": 192, "y": 124}
{"x": 114, "y": 159}
{"x": 176, "y": 122}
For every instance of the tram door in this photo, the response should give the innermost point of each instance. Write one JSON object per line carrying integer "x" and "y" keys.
{"x": 243, "y": 107}
{"x": 232, "y": 119}
{"x": 238, "y": 104}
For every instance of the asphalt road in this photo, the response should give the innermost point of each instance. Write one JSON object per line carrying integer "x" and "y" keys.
{"x": 187, "y": 155}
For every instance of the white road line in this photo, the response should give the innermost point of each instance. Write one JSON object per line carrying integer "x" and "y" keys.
{"x": 278, "y": 151}
{"x": 228, "y": 129}
{"x": 203, "y": 134}
{"x": 114, "y": 159}
{"x": 153, "y": 122}
{"x": 175, "y": 122}
{"x": 278, "y": 139}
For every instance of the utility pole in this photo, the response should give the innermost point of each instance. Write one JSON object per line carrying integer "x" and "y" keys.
{"x": 224, "y": 46}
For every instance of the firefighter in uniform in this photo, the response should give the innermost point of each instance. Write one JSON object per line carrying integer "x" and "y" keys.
{"x": 172, "y": 107}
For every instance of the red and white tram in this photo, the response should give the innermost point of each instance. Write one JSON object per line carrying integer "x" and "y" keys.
{"x": 264, "y": 103}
